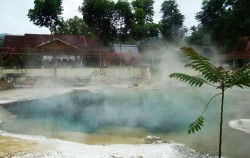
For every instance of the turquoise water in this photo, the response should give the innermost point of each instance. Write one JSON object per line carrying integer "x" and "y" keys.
{"x": 166, "y": 112}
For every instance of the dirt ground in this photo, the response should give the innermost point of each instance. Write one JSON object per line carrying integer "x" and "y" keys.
{"x": 11, "y": 147}
{"x": 4, "y": 85}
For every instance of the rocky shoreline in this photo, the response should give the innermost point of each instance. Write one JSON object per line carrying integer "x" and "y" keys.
{"x": 51, "y": 148}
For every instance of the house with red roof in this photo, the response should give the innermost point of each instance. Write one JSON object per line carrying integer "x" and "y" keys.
{"x": 50, "y": 50}
{"x": 240, "y": 56}
{"x": 35, "y": 50}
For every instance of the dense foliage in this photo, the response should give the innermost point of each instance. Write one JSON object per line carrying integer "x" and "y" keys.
{"x": 98, "y": 15}
{"x": 122, "y": 20}
{"x": 74, "y": 26}
{"x": 147, "y": 7}
{"x": 46, "y": 13}
{"x": 171, "y": 24}
{"x": 143, "y": 26}
{"x": 223, "y": 22}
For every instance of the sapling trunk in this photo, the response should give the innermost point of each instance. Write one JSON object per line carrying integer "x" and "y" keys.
{"x": 221, "y": 119}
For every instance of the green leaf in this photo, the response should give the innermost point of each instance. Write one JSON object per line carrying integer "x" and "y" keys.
{"x": 203, "y": 65}
{"x": 191, "y": 80}
{"x": 238, "y": 77}
{"x": 196, "y": 126}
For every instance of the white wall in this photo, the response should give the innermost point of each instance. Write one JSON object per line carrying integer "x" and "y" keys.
{"x": 122, "y": 73}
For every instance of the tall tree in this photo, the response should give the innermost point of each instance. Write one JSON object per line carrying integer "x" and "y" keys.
{"x": 212, "y": 18}
{"x": 171, "y": 24}
{"x": 98, "y": 15}
{"x": 137, "y": 27}
{"x": 75, "y": 26}
{"x": 197, "y": 37}
{"x": 225, "y": 21}
{"x": 241, "y": 13}
{"x": 46, "y": 13}
{"x": 238, "y": 22}
{"x": 122, "y": 20}
{"x": 147, "y": 7}
{"x": 142, "y": 25}
{"x": 152, "y": 30}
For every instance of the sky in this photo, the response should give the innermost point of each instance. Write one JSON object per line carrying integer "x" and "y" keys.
{"x": 14, "y": 20}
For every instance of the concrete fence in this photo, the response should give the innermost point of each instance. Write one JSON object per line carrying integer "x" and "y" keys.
{"x": 121, "y": 73}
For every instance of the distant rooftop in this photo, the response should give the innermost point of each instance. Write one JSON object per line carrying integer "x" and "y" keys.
{"x": 34, "y": 40}
{"x": 126, "y": 49}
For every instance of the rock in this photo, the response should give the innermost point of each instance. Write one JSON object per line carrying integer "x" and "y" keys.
{"x": 153, "y": 140}
{"x": 191, "y": 153}
{"x": 2, "y": 154}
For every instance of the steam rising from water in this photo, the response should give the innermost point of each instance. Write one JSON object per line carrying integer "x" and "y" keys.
{"x": 168, "y": 111}
{"x": 170, "y": 59}
{"x": 90, "y": 112}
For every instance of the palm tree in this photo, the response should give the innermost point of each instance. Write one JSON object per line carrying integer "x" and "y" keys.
{"x": 212, "y": 75}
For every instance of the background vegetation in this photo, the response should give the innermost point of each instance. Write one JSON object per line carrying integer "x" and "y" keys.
{"x": 222, "y": 23}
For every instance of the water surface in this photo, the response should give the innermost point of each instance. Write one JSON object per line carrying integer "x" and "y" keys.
{"x": 127, "y": 116}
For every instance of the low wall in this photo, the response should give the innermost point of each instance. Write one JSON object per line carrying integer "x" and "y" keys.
{"x": 121, "y": 73}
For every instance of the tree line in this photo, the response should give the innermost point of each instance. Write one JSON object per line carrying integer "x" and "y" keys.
{"x": 221, "y": 22}
{"x": 110, "y": 21}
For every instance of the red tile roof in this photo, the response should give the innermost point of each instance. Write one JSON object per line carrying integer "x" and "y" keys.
{"x": 33, "y": 41}
{"x": 13, "y": 41}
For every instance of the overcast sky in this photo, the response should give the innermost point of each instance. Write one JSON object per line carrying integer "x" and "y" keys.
{"x": 14, "y": 20}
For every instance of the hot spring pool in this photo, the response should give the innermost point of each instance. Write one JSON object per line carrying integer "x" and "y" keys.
{"x": 127, "y": 116}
